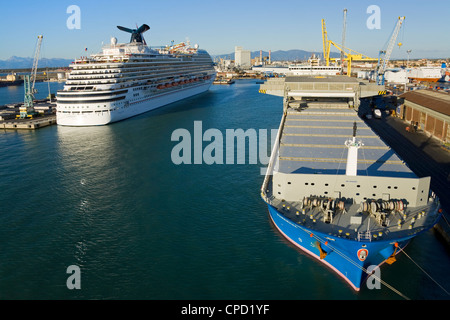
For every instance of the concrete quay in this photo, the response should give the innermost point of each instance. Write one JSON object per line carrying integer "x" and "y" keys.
{"x": 28, "y": 124}
{"x": 425, "y": 155}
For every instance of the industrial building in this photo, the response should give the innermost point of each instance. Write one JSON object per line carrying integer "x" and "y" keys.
{"x": 242, "y": 58}
{"x": 429, "y": 110}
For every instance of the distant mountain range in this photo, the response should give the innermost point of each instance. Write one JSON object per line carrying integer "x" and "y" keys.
{"x": 289, "y": 55}
{"x": 27, "y": 63}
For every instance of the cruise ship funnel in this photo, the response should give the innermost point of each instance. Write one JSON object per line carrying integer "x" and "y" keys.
{"x": 136, "y": 34}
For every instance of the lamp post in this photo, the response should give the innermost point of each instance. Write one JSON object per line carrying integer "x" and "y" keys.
{"x": 408, "y": 52}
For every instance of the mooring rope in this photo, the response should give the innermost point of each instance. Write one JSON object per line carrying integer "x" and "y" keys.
{"x": 425, "y": 272}
{"x": 356, "y": 264}
{"x": 367, "y": 272}
{"x": 445, "y": 219}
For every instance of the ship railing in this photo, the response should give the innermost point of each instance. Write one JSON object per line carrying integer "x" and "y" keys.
{"x": 274, "y": 154}
{"x": 365, "y": 236}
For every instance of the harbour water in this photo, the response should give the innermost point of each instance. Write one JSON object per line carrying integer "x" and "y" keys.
{"x": 111, "y": 201}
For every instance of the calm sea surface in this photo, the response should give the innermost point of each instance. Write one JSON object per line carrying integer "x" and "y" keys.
{"x": 110, "y": 200}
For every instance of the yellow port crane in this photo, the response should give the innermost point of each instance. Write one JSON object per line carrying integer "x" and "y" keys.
{"x": 350, "y": 55}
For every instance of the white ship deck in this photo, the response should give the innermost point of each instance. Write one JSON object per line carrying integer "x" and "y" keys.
{"x": 313, "y": 142}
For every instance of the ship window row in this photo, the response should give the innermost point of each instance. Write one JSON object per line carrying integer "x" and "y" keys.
{"x": 83, "y": 112}
{"x": 117, "y": 86}
{"x": 115, "y": 65}
{"x": 140, "y": 74}
{"x": 93, "y": 95}
{"x": 165, "y": 67}
{"x": 140, "y": 68}
{"x": 78, "y": 109}
{"x": 91, "y": 101}
{"x": 105, "y": 72}
{"x": 86, "y": 81}
{"x": 128, "y": 75}
{"x": 358, "y": 186}
{"x": 149, "y": 76}
{"x": 121, "y": 70}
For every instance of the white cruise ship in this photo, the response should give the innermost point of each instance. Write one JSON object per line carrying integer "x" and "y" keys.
{"x": 125, "y": 80}
{"x": 314, "y": 68}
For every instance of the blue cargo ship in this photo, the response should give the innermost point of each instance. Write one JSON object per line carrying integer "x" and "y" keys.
{"x": 334, "y": 188}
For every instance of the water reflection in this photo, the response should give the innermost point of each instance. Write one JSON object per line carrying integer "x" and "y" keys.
{"x": 90, "y": 169}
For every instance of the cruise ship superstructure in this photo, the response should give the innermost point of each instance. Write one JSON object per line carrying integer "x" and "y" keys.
{"x": 314, "y": 68}
{"x": 333, "y": 187}
{"x": 125, "y": 80}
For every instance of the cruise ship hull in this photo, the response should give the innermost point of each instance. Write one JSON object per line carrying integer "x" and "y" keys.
{"x": 134, "y": 109}
{"x": 343, "y": 256}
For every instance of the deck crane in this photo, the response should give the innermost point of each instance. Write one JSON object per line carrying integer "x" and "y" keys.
{"x": 385, "y": 55}
{"x": 29, "y": 81}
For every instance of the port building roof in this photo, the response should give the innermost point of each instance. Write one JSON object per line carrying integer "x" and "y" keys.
{"x": 434, "y": 100}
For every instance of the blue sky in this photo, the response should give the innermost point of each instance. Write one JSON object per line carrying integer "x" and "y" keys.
{"x": 219, "y": 26}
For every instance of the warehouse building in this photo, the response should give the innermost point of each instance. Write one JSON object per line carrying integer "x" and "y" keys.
{"x": 429, "y": 111}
